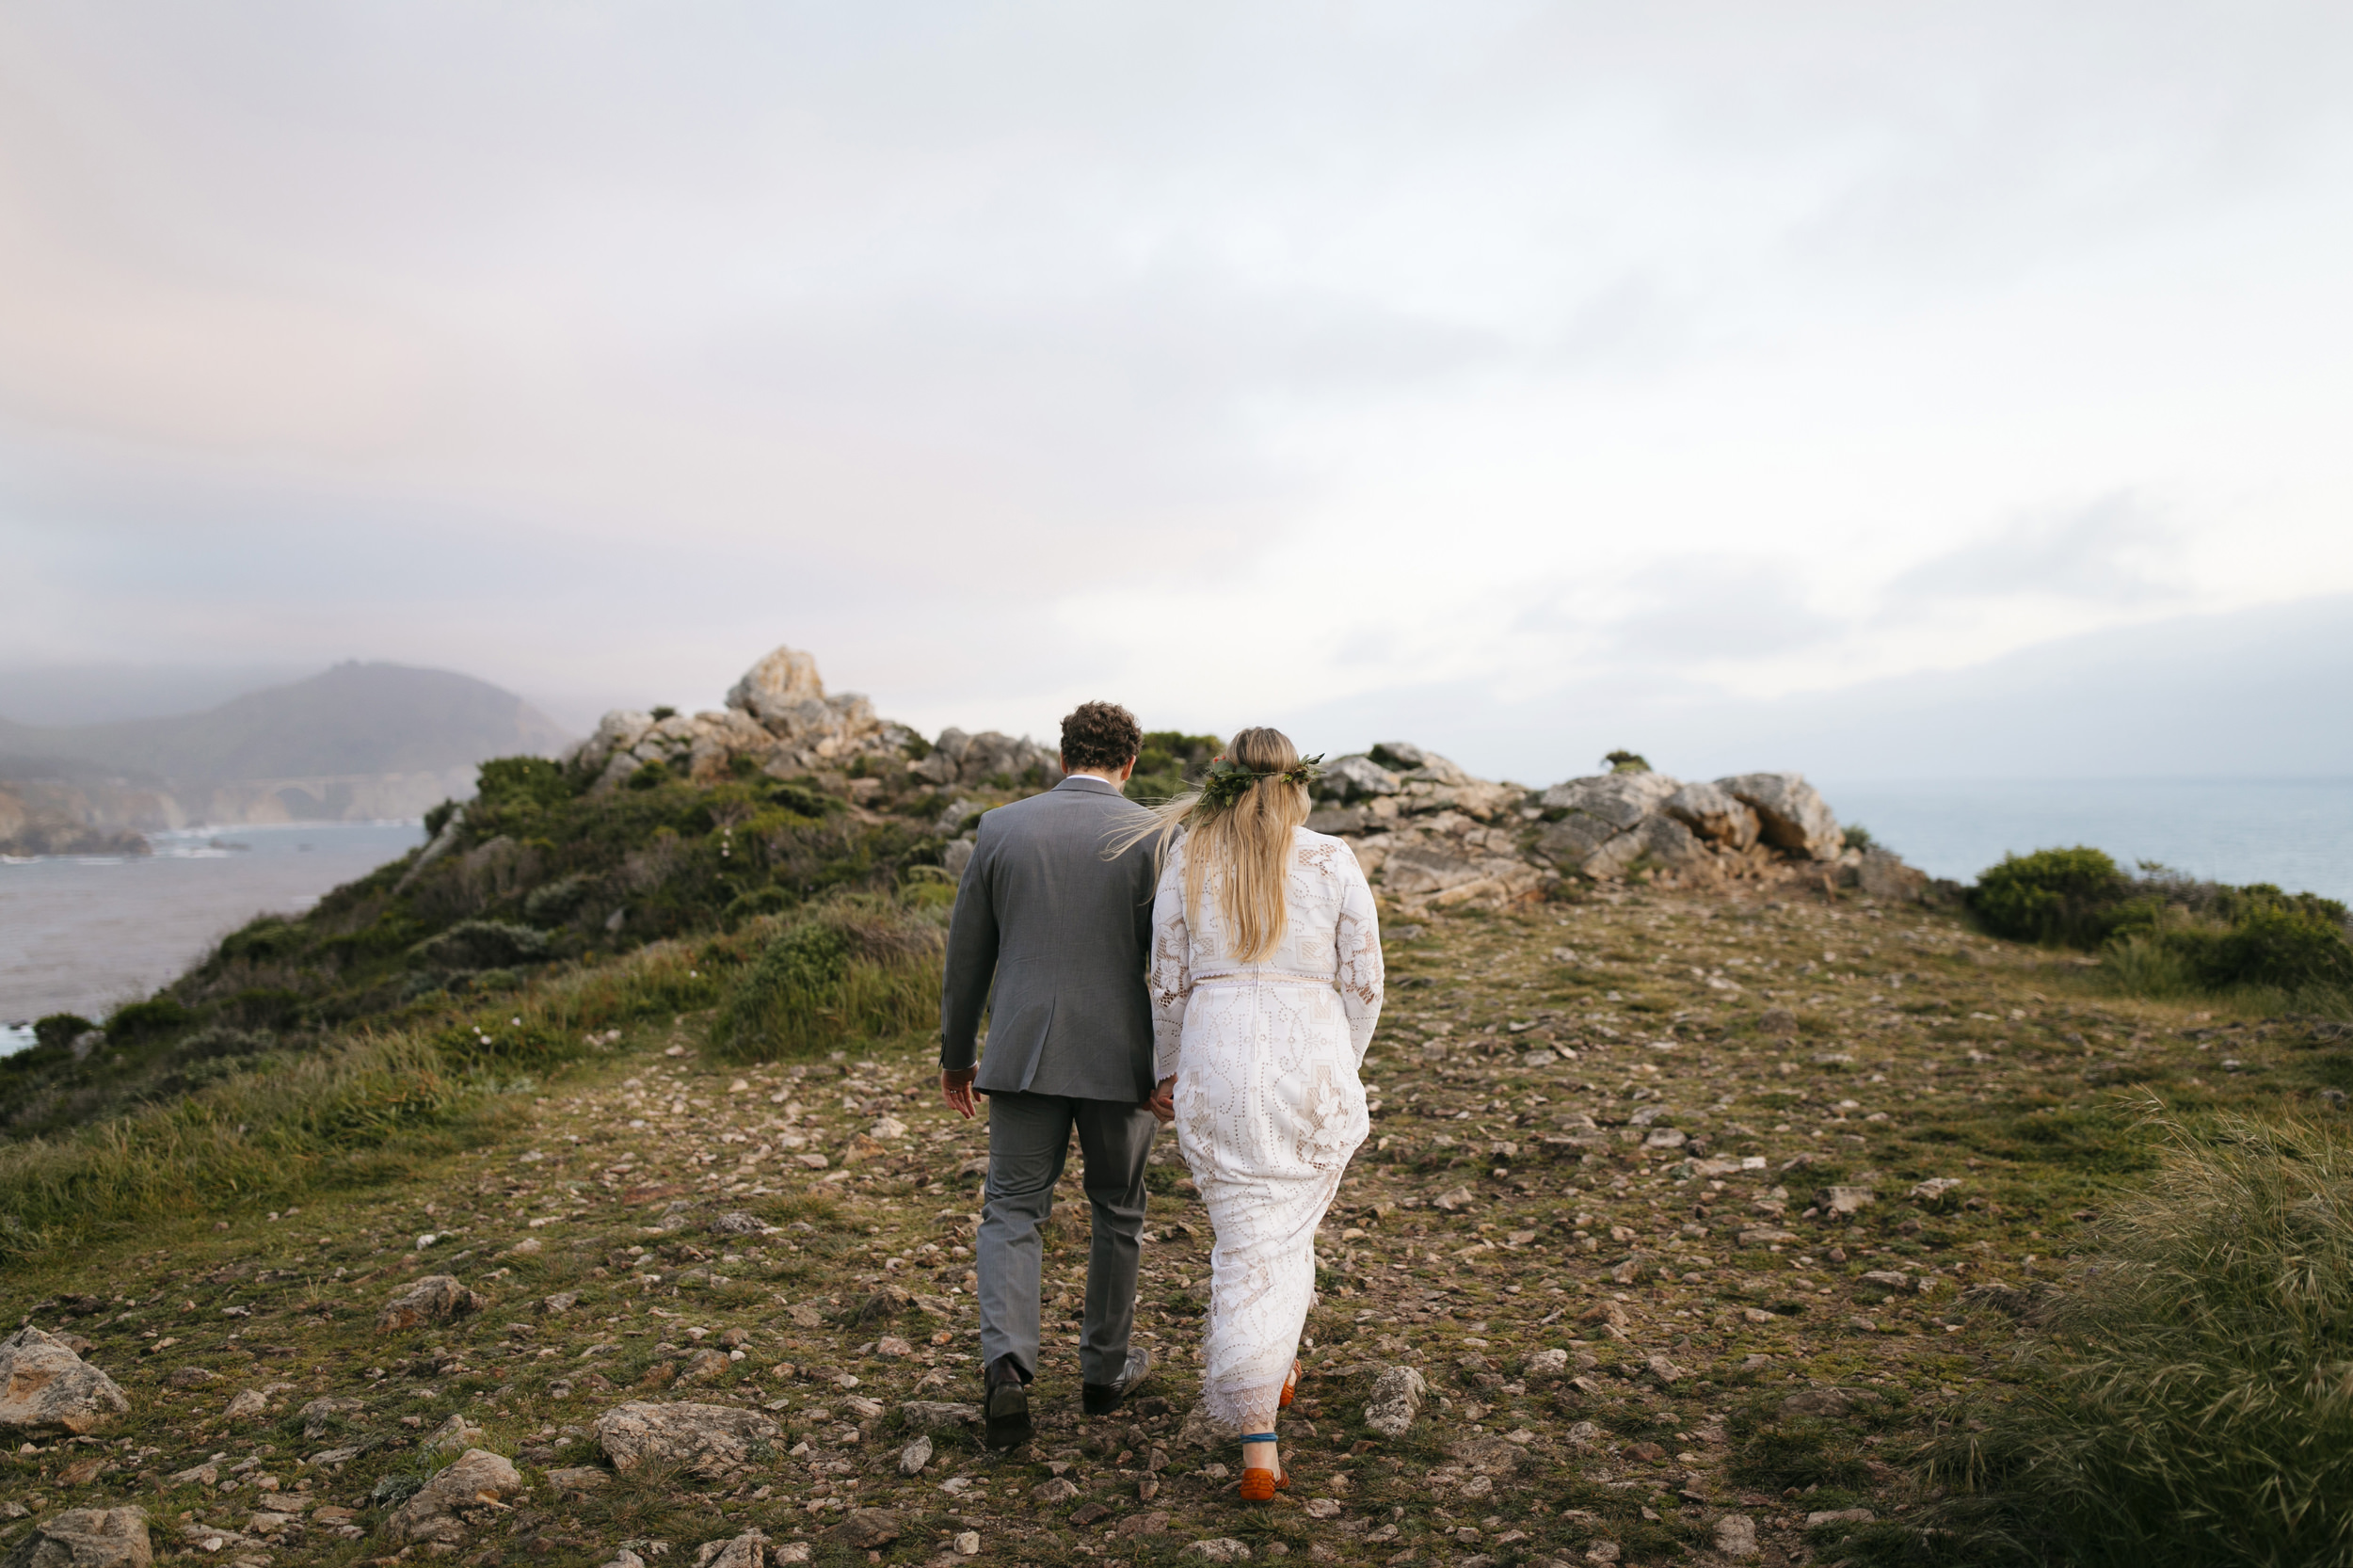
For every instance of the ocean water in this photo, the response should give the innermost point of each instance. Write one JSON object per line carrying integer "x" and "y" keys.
{"x": 2294, "y": 833}
{"x": 85, "y": 934}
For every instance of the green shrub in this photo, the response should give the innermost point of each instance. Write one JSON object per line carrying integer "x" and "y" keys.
{"x": 2053, "y": 895}
{"x": 2279, "y": 946}
{"x": 146, "y": 1020}
{"x": 484, "y": 945}
{"x": 60, "y": 1029}
{"x": 1169, "y": 763}
{"x": 1858, "y": 837}
{"x": 652, "y": 776}
{"x": 856, "y": 966}
{"x": 532, "y": 780}
{"x": 2188, "y": 1396}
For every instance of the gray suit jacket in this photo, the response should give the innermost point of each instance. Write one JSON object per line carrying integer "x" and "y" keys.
{"x": 1063, "y": 933}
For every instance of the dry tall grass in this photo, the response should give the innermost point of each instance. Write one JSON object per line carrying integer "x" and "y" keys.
{"x": 2189, "y": 1398}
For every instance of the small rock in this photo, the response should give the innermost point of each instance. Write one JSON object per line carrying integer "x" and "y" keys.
{"x": 563, "y": 1301}
{"x": 709, "y": 1439}
{"x": 1054, "y": 1489}
{"x": 1736, "y": 1535}
{"x": 1547, "y": 1364}
{"x": 437, "y": 1514}
{"x": 46, "y": 1387}
{"x": 790, "y": 1551}
{"x": 191, "y": 1377}
{"x": 579, "y": 1477}
{"x": 435, "y": 1298}
{"x": 86, "y": 1538}
{"x": 1223, "y": 1550}
{"x": 747, "y": 1550}
{"x": 1663, "y": 1369}
{"x": 891, "y": 1347}
{"x": 454, "y": 1435}
{"x": 1323, "y": 1508}
{"x": 1845, "y": 1200}
{"x": 703, "y": 1366}
{"x": 624, "y": 1558}
{"x": 867, "y": 1528}
{"x": 968, "y": 1543}
{"x": 1395, "y": 1400}
{"x": 1154, "y": 1522}
{"x": 1454, "y": 1198}
{"x": 939, "y": 1416}
{"x": 247, "y": 1404}
{"x": 1840, "y": 1516}
{"x": 1602, "y": 1551}
{"x": 320, "y": 1416}
{"x": 736, "y": 1222}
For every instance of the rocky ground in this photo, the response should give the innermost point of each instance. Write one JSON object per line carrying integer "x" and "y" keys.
{"x": 1684, "y": 1216}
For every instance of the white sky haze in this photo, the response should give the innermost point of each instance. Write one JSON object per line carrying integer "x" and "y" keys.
{"x": 1237, "y": 362}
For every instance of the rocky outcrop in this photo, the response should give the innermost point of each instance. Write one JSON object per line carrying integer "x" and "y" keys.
{"x": 958, "y": 758}
{"x": 86, "y": 1538}
{"x": 777, "y": 716}
{"x": 1430, "y": 835}
{"x": 46, "y": 1387}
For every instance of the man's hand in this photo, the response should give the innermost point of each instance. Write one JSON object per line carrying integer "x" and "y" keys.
{"x": 955, "y": 1087}
{"x": 1163, "y": 1102}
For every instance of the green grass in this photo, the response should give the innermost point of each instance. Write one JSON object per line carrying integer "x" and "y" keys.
{"x": 2188, "y": 1397}
{"x": 852, "y": 970}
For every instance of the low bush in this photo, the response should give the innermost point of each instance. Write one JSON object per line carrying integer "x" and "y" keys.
{"x": 2053, "y": 895}
{"x": 60, "y": 1029}
{"x": 854, "y": 967}
{"x": 484, "y": 945}
{"x": 2187, "y": 1396}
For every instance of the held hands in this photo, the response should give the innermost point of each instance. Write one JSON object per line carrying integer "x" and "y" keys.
{"x": 1163, "y": 1102}
{"x": 955, "y": 1087}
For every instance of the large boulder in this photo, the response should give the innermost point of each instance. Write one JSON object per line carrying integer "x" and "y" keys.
{"x": 709, "y": 1439}
{"x": 1619, "y": 799}
{"x": 777, "y": 685}
{"x": 470, "y": 1492}
{"x": 1713, "y": 814}
{"x": 434, "y": 1299}
{"x": 1569, "y": 842}
{"x": 86, "y": 1538}
{"x": 1357, "y": 777}
{"x": 1413, "y": 762}
{"x": 46, "y": 1387}
{"x": 1883, "y": 875}
{"x": 1791, "y": 815}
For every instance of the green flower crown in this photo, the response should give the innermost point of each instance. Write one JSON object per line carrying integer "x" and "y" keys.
{"x": 1227, "y": 781}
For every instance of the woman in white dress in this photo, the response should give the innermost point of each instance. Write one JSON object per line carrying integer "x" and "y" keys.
{"x": 1266, "y": 983}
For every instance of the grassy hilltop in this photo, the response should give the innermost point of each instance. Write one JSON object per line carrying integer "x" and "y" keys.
{"x": 1770, "y": 1225}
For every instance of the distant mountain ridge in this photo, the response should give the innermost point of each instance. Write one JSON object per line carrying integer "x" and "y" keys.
{"x": 358, "y": 741}
{"x": 354, "y": 719}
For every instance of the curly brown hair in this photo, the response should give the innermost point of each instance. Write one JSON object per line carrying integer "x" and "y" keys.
{"x": 1100, "y": 735}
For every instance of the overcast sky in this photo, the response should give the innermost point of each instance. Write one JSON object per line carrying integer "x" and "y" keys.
{"x": 1237, "y": 362}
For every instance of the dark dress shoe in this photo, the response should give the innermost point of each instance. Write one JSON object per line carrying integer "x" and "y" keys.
{"x": 1007, "y": 1412}
{"x": 1102, "y": 1399}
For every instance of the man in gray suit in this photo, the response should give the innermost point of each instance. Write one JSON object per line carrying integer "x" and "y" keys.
{"x": 1062, "y": 932}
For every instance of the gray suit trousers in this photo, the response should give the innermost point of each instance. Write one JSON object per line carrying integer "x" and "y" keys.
{"x": 1028, "y": 1138}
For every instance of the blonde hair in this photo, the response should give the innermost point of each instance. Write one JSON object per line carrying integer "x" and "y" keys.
{"x": 1246, "y": 846}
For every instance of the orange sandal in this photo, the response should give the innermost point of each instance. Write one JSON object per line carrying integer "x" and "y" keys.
{"x": 1260, "y": 1486}
{"x": 1291, "y": 1387}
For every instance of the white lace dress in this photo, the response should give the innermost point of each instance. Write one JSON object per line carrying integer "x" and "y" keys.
{"x": 1268, "y": 1106}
